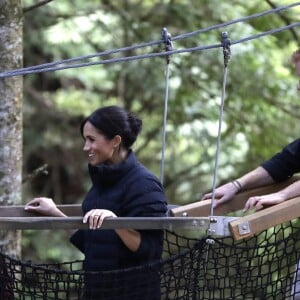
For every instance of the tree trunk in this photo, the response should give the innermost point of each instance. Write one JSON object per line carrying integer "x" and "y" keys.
{"x": 11, "y": 130}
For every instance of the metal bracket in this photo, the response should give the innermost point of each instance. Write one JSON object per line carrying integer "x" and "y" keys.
{"x": 219, "y": 225}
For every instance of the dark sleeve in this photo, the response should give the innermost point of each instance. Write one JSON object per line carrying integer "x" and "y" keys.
{"x": 285, "y": 163}
{"x": 77, "y": 239}
{"x": 151, "y": 246}
{"x": 146, "y": 198}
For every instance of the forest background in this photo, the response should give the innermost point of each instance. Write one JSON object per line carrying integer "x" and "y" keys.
{"x": 260, "y": 114}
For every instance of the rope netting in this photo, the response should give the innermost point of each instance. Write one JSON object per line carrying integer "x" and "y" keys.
{"x": 261, "y": 267}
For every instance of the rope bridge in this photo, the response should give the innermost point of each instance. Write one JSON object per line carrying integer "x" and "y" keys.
{"x": 232, "y": 263}
{"x": 261, "y": 267}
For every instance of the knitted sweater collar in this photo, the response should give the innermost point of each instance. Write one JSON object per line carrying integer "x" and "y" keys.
{"x": 109, "y": 174}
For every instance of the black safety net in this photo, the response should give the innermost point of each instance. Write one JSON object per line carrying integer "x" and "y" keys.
{"x": 261, "y": 267}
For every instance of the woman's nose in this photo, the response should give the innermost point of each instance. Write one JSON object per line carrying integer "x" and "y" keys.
{"x": 85, "y": 147}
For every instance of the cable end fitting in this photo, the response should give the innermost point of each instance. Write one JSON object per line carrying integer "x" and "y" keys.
{"x": 166, "y": 37}
{"x": 226, "y": 47}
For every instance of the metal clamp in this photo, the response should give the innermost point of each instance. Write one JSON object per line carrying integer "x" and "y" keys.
{"x": 166, "y": 36}
{"x": 226, "y": 47}
{"x": 219, "y": 225}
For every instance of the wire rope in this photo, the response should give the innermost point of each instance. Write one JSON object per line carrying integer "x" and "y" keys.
{"x": 225, "y": 41}
{"x": 226, "y": 53}
{"x": 55, "y": 66}
{"x": 168, "y": 43}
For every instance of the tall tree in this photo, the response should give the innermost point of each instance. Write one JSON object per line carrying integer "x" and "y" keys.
{"x": 11, "y": 57}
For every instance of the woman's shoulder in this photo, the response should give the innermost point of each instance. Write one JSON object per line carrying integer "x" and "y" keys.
{"x": 144, "y": 174}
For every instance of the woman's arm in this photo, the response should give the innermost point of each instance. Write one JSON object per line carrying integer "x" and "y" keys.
{"x": 47, "y": 207}
{"x": 130, "y": 237}
{"x": 44, "y": 206}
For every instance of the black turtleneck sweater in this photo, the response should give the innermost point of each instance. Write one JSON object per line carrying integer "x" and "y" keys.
{"x": 129, "y": 190}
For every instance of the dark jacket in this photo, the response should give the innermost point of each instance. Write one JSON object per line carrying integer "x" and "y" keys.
{"x": 285, "y": 163}
{"x": 129, "y": 190}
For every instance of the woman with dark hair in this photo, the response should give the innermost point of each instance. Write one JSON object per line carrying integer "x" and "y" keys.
{"x": 121, "y": 187}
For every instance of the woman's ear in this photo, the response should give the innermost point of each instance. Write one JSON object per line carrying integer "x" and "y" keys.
{"x": 117, "y": 141}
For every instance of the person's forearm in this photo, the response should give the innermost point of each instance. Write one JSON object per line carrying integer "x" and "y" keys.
{"x": 256, "y": 178}
{"x": 291, "y": 191}
{"x": 131, "y": 238}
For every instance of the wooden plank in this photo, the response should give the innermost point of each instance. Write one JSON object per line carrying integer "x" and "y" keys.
{"x": 40, "y": 223}
{"x": 266, "y": 218}
{"x": 69, "y": 209}
{"x": 202, "y": 208}
{"x": 18, "y": 211}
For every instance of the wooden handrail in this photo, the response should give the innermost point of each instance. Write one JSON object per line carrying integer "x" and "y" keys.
{"x": 248, "y": 224}
{"x": 18, "y": 211}
{"x": 191, "y": 216}
{"x": 261, "y": 220}
{"x": 16, "y": 218}
{"x": 44, "y": 222}
{"x": 202, "y": 208}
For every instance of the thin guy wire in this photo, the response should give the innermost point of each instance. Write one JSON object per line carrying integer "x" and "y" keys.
{"x": 210, "y": 241}
{"x": 84, "y": 57}
{"x": 221, "y": 25}
{"x": 218, "y": 141}
{"x": 36, "y": 69}
{"x": 162, "y": 163}
{"x": 18, "y": 72}
{"x": 226, "y": 43}
{"x": 168, "y": 47}
{"x": 152, "y": 43}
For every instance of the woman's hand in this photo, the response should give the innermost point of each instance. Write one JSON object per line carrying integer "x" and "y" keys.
{"x": 44, "y": 206}
{"x": 223, "y": 193}
{"x": 95, "y": 217}
{"x": 130, "y": 237}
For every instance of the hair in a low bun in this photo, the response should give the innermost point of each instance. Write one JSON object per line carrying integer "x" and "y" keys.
{"x": 115, "y": 120}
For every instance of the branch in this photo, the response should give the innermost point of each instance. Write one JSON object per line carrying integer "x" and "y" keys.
{"x": 34, "y": 6}
{"x": 36, "y": 172}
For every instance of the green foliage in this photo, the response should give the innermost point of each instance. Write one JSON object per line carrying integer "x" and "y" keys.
{"x": 261, "y": 105}
{"x": 48, "y": 246}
